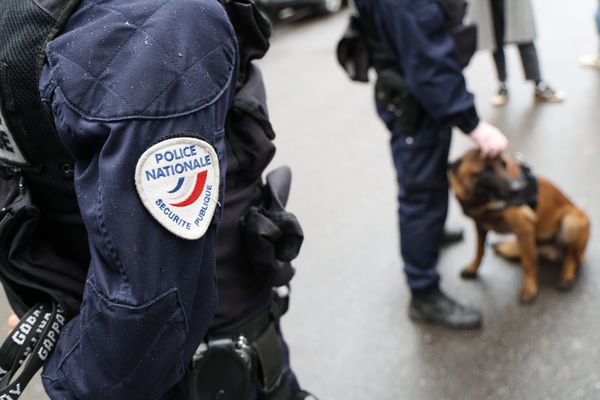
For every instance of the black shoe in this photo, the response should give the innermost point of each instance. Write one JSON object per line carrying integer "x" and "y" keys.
{"x": 302, "y": 395}
{"x": 451, "y": 236}
{"x": 438, "y": 309}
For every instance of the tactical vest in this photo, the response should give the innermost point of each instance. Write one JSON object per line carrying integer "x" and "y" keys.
{"x": 30, "y": 145}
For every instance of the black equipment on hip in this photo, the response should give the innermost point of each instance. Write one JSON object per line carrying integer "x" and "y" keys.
{"x": 392, "y": 91}
{"x": 227, "y": 366}
{"x": 27, "y": 348}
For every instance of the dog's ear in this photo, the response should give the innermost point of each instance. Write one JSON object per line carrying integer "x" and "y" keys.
{"x": 453, "y": 166}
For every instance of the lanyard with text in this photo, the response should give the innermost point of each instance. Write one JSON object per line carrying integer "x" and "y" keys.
{"x": 27, "y": 348}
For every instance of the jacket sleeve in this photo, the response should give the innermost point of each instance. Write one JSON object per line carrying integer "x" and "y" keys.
{"x": 416, "y": 31}
{"x": 150, "y": 293}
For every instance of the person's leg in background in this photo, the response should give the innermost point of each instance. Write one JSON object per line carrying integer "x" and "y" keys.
{"x": 498, "y": 10}
{"x": 531, "y": 66}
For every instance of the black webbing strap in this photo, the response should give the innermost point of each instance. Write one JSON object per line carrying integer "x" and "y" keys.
{"x": 27, "y": 348}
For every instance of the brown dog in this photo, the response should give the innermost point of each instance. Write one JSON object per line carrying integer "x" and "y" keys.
{"x": 502, "y": 196}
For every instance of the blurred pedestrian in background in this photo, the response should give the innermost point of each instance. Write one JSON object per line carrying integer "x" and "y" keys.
{"x": 593, "y": 60}
{"x": 504, "y": 22}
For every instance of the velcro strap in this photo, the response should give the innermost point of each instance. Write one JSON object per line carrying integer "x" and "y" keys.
{"x": 27, "y": 348}
{"x": 270, "y": 369}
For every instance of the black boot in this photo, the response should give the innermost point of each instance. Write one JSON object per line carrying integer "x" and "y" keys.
{"x": 436, "y": 308}
{"x": 302, "y": 395}
{"x": 451, "y": 236}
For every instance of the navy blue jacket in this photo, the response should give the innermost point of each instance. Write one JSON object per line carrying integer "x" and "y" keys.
{"x": 123, "y": 76}
{"x": 415, "y": 32}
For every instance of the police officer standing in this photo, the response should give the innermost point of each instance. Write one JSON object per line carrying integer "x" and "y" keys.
{"x": 121, "y": 120}
{"x": 420, "y": 96}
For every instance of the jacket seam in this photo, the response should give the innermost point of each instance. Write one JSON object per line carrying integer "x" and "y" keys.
{"x": 108, "y": 245}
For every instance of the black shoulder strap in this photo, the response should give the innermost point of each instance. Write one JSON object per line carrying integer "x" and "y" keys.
{"x": 60, "y": 10}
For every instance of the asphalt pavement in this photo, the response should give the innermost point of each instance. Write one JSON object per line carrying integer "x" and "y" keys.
{"x": 348, "y": 329}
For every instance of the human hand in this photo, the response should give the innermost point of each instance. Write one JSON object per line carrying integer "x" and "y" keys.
{"x": 13, "y": 320}
{"x": 490, "y": 139}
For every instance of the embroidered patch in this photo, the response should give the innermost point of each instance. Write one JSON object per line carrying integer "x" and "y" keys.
{"x": 9, "y": 151}
{"x": 178, "y": 182}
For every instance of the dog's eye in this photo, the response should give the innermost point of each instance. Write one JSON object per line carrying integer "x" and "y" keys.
{"x": 503, "y": 163}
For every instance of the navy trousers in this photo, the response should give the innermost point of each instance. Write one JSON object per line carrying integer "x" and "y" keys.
{"x": 420, "y": 160}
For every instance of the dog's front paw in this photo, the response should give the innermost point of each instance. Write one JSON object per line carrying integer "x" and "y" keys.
{"x": 468, "y": 273}
{"x": 528, "y": 295}
{"x": 566, "y": 284}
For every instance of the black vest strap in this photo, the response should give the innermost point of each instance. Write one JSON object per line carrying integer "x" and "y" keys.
{"x": 60, "y": 10}
{"x": 25, "y": 28}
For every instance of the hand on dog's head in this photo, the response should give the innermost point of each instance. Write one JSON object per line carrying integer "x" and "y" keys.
{"x": 475, "y": 179}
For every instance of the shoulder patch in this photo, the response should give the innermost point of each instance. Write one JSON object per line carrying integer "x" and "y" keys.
{"x": 178, "y": 183}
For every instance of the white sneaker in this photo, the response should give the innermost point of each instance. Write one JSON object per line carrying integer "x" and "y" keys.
{"x": 590, "y": 60}
{"x": 545, "y": 93}
{"x": 501, "y": 97}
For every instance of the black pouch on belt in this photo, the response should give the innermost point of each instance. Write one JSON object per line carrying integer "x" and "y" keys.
{"x": 227, "y": 367}
{"x": 272, "y": 235}
{"x": 392, "y": 91}
{"x": 221, "y": 369}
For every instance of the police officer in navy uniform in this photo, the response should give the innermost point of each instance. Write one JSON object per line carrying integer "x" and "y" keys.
{"x": 420, "y": 96}
{"x": 121, "y": 120}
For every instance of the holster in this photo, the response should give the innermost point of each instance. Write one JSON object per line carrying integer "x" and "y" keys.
{"x": 392, "y": 91}
{"x": 272, "y": 236}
